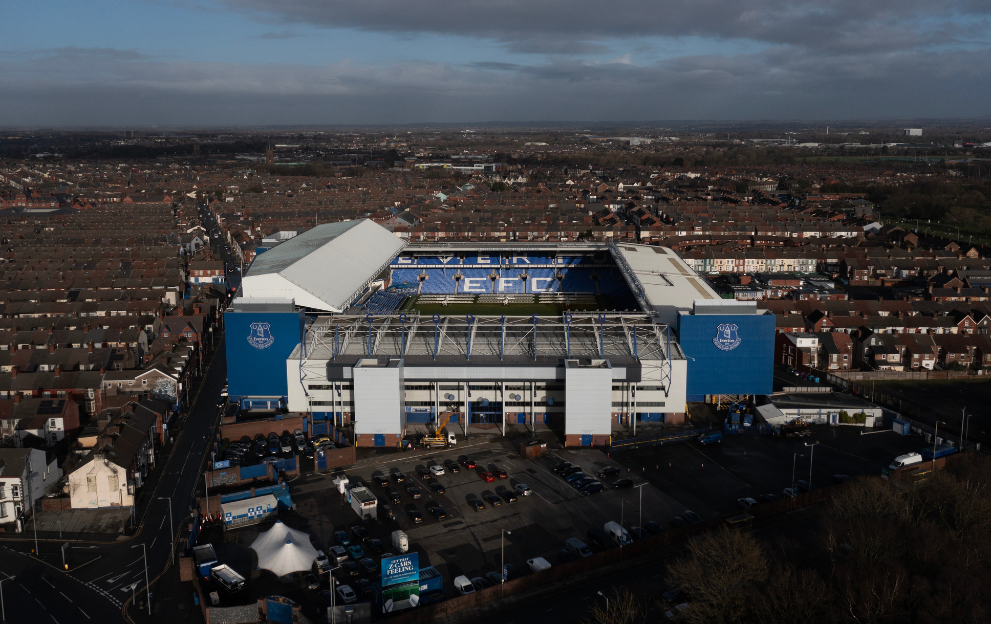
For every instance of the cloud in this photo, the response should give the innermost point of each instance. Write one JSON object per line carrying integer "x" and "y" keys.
{"x": 546, "y": 25}
{"x": 103, "y": 87}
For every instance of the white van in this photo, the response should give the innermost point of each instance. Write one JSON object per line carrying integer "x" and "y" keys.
{"x": 905, "y": 460}
{"x": 400, "y": 541}
{"x": 463, "y": 585}
{"x": 619, "y": 535}
{"x": 538, "y": 564}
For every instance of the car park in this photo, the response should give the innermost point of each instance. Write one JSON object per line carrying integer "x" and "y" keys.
{"x": 524, "y": 489}
{"x": 414, "y": 492}
{"x": 488, "y": 477}
{"x": 746, "y": 503}
{"x": 436, "y": 470}
{"x": 620, "y": 484}
{"x": 437, "y": 488}
{"x": 509, "y": 496}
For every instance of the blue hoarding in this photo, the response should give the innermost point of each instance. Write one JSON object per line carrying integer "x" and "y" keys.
{"x": 728, "y": 353}
{"x": 401, "y": 569}
{"x": 258, "y": 344}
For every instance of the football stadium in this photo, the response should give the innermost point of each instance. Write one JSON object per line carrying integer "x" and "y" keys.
{"x": 367, "y": 333}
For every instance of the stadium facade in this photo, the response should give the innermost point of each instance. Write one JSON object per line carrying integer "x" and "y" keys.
{"x": 350, "y": 325}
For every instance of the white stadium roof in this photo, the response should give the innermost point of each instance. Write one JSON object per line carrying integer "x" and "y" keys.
{"x": 324, "y": 267}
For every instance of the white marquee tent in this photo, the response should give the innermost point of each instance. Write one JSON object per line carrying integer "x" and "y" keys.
{"x": 282, "y": 550}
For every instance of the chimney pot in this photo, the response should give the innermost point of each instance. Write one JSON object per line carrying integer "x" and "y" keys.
{"x": 89, "y": 346}
{"x": 14, "y": 370}
{"x": 17, "y": 398}
{"x": 51, "y": 348}
{"x": 58, "y": 370}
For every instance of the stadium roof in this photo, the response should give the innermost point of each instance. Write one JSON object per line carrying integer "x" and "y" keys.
{"x": 661, "y": 280}
{"x": 325, "y": 267}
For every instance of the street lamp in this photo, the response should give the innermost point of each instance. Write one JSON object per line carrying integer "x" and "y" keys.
{"x": 963, "y": 419}
{"x": 144, "y": 553}
{"x": 793, "y": 460}
{"x": 333, "y": 590}
{"x": 502, "y": 556}
{"x": 3, "y": 610}
{"x": 171, "y": 530}
{"x": 935, "y": 437}
{"x": 812, "y": 445}
{"x": 607, "y": 600}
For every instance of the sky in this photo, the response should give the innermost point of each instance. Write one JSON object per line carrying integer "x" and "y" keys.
{"x": 139, "y": 63}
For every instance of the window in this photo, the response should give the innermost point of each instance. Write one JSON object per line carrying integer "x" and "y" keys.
{"x": 51, "y": 423}
{"x": 144, "y": 382}
{"x": 15, "y": 491}
{"x": 90, "y": 484}
{"x": 3, "y": 510}
{"x": 419, "y": 387}
{"x": 112, "y": 482}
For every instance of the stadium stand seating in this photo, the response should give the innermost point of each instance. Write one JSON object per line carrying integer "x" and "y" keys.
{"x": 384, "y": 302}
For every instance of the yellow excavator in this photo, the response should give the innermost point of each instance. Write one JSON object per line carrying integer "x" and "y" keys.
{"x": 439, "y": 438}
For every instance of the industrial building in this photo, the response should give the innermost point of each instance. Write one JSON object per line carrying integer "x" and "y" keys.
{"x": 350, "y": 325}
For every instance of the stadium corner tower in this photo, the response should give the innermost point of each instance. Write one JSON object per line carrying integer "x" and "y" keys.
{"x": 350, "y": 325}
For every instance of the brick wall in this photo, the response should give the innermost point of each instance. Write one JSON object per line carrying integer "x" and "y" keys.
{"x": 368, "y": 439}
{"x": 338, "y": 458}
{"x": 576, "y": 440}
{"x": 234, "y": 431}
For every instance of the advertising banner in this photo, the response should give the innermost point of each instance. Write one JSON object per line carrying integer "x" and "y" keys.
{"x": 400, "y": 582}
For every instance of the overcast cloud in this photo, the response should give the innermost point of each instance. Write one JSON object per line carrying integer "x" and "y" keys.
{"x": 574, "y": 60}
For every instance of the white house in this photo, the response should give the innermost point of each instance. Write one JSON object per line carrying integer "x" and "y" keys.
{"x": 25, "y": 476}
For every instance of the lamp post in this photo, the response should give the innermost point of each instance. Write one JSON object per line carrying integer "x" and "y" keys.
{"x": 606, "y": 599}
{"x": 793, "y": 461}
{"x": 935, "y": 437}
{"x": 333, "y": 590}
{"x": 963, "y": 418}
{"x": 502, "y": 556}
{"x": 812, "y": 452}
{"x": 144, "y": 553}
{"x": 171, "y": 530}
{"x": 3, "y": 609}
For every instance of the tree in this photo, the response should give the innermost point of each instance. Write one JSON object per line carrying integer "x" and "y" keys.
{"x": 721, "y": 572}
{"x": 621, "y": 607}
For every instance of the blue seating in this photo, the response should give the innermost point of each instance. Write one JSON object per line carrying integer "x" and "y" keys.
{"x": 577, "y": 279}
{"x": 385, "y": 302}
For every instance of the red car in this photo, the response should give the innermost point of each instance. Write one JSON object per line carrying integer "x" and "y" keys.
{"x": 502, "y": 474}
{"x": 467, "y": 463}
{"x": 488, "y": 477}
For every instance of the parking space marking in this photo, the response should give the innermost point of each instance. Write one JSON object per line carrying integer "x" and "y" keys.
{"x": 728, "y": 471}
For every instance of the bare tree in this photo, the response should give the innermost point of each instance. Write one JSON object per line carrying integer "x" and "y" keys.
{"x": 622, "y": 606}
{"x": 720, "y": 573}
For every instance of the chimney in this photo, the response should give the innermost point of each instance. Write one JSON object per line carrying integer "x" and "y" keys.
{"x": 17, "y": 398}
{"x": 58, "y": 370}
{"x": 14, "y": 370}
{"x": 51, "y": 348}
{"x": 89, "y": 346}
{"x": 51, "y": 329}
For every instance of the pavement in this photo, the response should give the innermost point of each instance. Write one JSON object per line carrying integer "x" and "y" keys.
{"x": 102, "y": 577}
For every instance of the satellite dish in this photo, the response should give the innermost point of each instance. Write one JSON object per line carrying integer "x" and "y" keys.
{"x": 449, "y": 397}
{"x": 515, "y": 397}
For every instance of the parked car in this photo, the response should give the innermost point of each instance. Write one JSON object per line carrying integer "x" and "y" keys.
{"x": 350, "y": 568}
{"x": 387, "y": 512}
{"x": 492, "y": 499}
{"x": 380, "y": 481}
{"x": 502, "y": 474}
{"x": 494, "y": 578}
{"x": 580, "y": 483}
{"x": 356, "y": 551}
{"x": 523, "y": 489}
{"x": 414, "y": 515}
{"x": 437, "y": 470}
{"x": 592, "y": 488}
{"x": 638, "y": 533}
{"x": 570, "y": 471}
{"x": 346, "y": 594}
{"x": 453, "y": 466}
{"x": 769, "y": 498}
{"x": 342, "y": 538}
{"x": 563, "y": 556}
{"x": 746, "y": 503}
{"x": 438, "y": 512}
{"x": 322, "y": 562}
{"x": 480, "y": 583}
{"x": 620, "y": 484}
{"x": 395, "y": 497}
{"x": 311, "y": 581}
{"x": 509, "y": 496}
{"x": 338, "y": 554}
{"x": 423, "y": 473}
{"x": 466, "y": 462}
{"x": 790, "y": 492}
{"x": 560, "y": 468}
{"x": 365, "y": 587}
{"x": 804, "y": 486}
{"x": 464, "y": 585}
{"x": 692, "y": 517}
{"x": 575, "y": 476}
{"x": 652, "y": 527}
{"x": 677, "y": 522}
{"x": 437, "y": 488}
{"x": 375, "y": 545}
{"x": 367, "y": 565}
{"x": 360, "y": 533}
{"x": 488, "y": 477}
{"x": 608, "y": 471}
{"x": 398, "y": 477}
{"x": 477, "y": 505}
{"x": 414, "y": 492}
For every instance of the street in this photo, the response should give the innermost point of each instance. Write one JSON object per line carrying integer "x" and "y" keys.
{"x": 102, "y": 577}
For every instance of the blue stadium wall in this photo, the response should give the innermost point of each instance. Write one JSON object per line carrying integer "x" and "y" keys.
{"x": 256, "y": 356}
{"x": 746, "y": 368}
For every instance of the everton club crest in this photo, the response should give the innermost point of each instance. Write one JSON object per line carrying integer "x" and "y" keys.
{"x": 726, "y": 337}
{"x": 261, "y": 336}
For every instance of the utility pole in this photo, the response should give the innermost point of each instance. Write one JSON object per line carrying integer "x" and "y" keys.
{"x": 935, "y": 437}
{"x": 144, "y": 553}
{"x": 963, "y": 418}
{"x": 811, "y": 457}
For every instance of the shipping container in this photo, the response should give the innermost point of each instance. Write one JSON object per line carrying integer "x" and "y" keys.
{"x": 249, "y": 511}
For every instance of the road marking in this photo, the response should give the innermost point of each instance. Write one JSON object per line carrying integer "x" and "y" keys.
{"x": 84, "y": 613}
{"x": 117, "y": 578}
{"x": 100, "y": 577}
{"x": 42, "y": 605}
{"x": 49, "y": 582}
{"x": 53, "y": 619}
{"x": 152, "y": 543}
{"x": 24, "y": 588}
{"x": 66, "y": 597}
{"x": 162, "y": 524}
